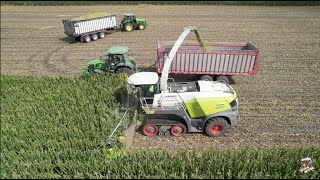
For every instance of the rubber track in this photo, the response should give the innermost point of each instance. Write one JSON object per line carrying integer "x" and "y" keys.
{"x": 161, "y": 122}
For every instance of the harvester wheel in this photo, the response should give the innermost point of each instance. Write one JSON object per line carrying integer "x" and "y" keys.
{"x": 101, "y": 35}
{"x": 141, "y": 26}
{"x": 150, "y": 129}
{"x": 128, "y": 27}
{"x": 86, "y": 38}
{"x": 206, "y": 78}
{"x": 94, "y": 37}
{"x": 223, "y": 79}
{"x": 126, "y": 72}
{"x": 178, "y": 130}
{"x": 216, "y": 126}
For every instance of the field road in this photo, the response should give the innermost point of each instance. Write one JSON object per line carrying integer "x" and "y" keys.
{"x": 280, "y": 106}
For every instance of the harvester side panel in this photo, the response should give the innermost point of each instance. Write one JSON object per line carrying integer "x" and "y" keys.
{"x": 216, "y": 58}
{"x": 77, "y": 28}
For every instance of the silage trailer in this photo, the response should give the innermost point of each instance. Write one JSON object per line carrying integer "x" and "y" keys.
{"x": 217, "y": 61}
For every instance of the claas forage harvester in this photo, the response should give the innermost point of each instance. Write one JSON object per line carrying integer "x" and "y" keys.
{"x": 178, "y": 108}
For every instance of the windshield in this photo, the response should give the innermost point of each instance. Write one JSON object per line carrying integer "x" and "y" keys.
{"x": 125, "y": 56}
{"x": 147, "y": 90}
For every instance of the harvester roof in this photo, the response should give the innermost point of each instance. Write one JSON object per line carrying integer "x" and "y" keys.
{"x": 143, "y": 78}
{"x": 118, "y": 50}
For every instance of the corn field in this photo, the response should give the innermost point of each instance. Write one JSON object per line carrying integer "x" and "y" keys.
{"x": 54, "y": 124}
{"x": 57, "y": 127}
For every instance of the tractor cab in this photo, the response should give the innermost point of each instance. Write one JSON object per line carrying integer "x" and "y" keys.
{"x": 130, "y": 23}
{"x": 129, "y": 18}
{"x": 117, "y": 54}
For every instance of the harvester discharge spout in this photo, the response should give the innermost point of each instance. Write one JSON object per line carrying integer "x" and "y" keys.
{"x": 168, "y": 61}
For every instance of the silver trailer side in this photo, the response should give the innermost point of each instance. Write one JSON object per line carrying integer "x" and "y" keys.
{"x": 81, "y": 27}
{"x": 215, "y": 59}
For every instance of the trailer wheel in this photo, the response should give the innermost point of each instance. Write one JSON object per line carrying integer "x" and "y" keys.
{"x": 141, "y": 26}
{"x": 223, "y": 79}
{"x": 178, "y": 130}
{"x": 101, "y": 35}
{"x": 216, "y": 126}
{"x": 128, "y": 27}
{"x": 86, "y": 38}
{"x": 94, "y": 37}
{"x": 150, "y": 129}
{"x": 206, "y": 78}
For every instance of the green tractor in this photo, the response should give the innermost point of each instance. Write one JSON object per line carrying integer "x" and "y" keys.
{"x": 130, "y": 23}
{"x": 116, "y": 61}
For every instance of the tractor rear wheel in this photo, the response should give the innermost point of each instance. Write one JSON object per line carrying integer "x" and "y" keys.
{"x": 141, "y": 26}
{"x": 216, "y": 126}
{"x": 206, "y": 78}
{"x": 86, "y": 38}
{"x": 126, "y": 72}
{"x": 128, "y": 27}
{"x": 223, "y": 79}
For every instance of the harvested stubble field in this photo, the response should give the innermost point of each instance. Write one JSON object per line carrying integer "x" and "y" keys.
{"x": 279, "y": 106}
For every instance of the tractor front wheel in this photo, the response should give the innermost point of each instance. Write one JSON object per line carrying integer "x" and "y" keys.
{"x": 216, "y": 126}
{"x": 128, "y": 27}
{"x": 141, "y": 26}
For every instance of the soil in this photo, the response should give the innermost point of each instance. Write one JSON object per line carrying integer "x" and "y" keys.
{"x": 279, "y": 106}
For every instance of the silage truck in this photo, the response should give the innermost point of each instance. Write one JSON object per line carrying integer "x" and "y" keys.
{"x": 178, "y": 108}
{"x": 92, "y": 27}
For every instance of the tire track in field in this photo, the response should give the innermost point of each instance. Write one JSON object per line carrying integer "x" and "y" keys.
{"x": 46, "y": 62}
{"x": 32, "y": 60}
{"x": 54, "y": 68}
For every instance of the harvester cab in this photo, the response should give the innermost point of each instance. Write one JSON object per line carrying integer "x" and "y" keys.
{"x": 130, "y": 22}
{"x": 116, "y": 61}
{"x": 177, "y": 108}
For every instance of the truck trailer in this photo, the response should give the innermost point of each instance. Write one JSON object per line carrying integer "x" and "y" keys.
{"x": 217, "y": 61}
{"x": 89, "y": 28}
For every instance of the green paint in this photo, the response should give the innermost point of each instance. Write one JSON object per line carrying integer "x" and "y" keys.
{"x": 118, "y": 50}
{"x": 142, "y": 21}
{"x": 85, "y": 72}
{"x": 91, "y": 16}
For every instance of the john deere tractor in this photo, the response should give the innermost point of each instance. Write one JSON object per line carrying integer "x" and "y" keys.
{"x": 116, "y": 61}
{"x": 130, "y": 23}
